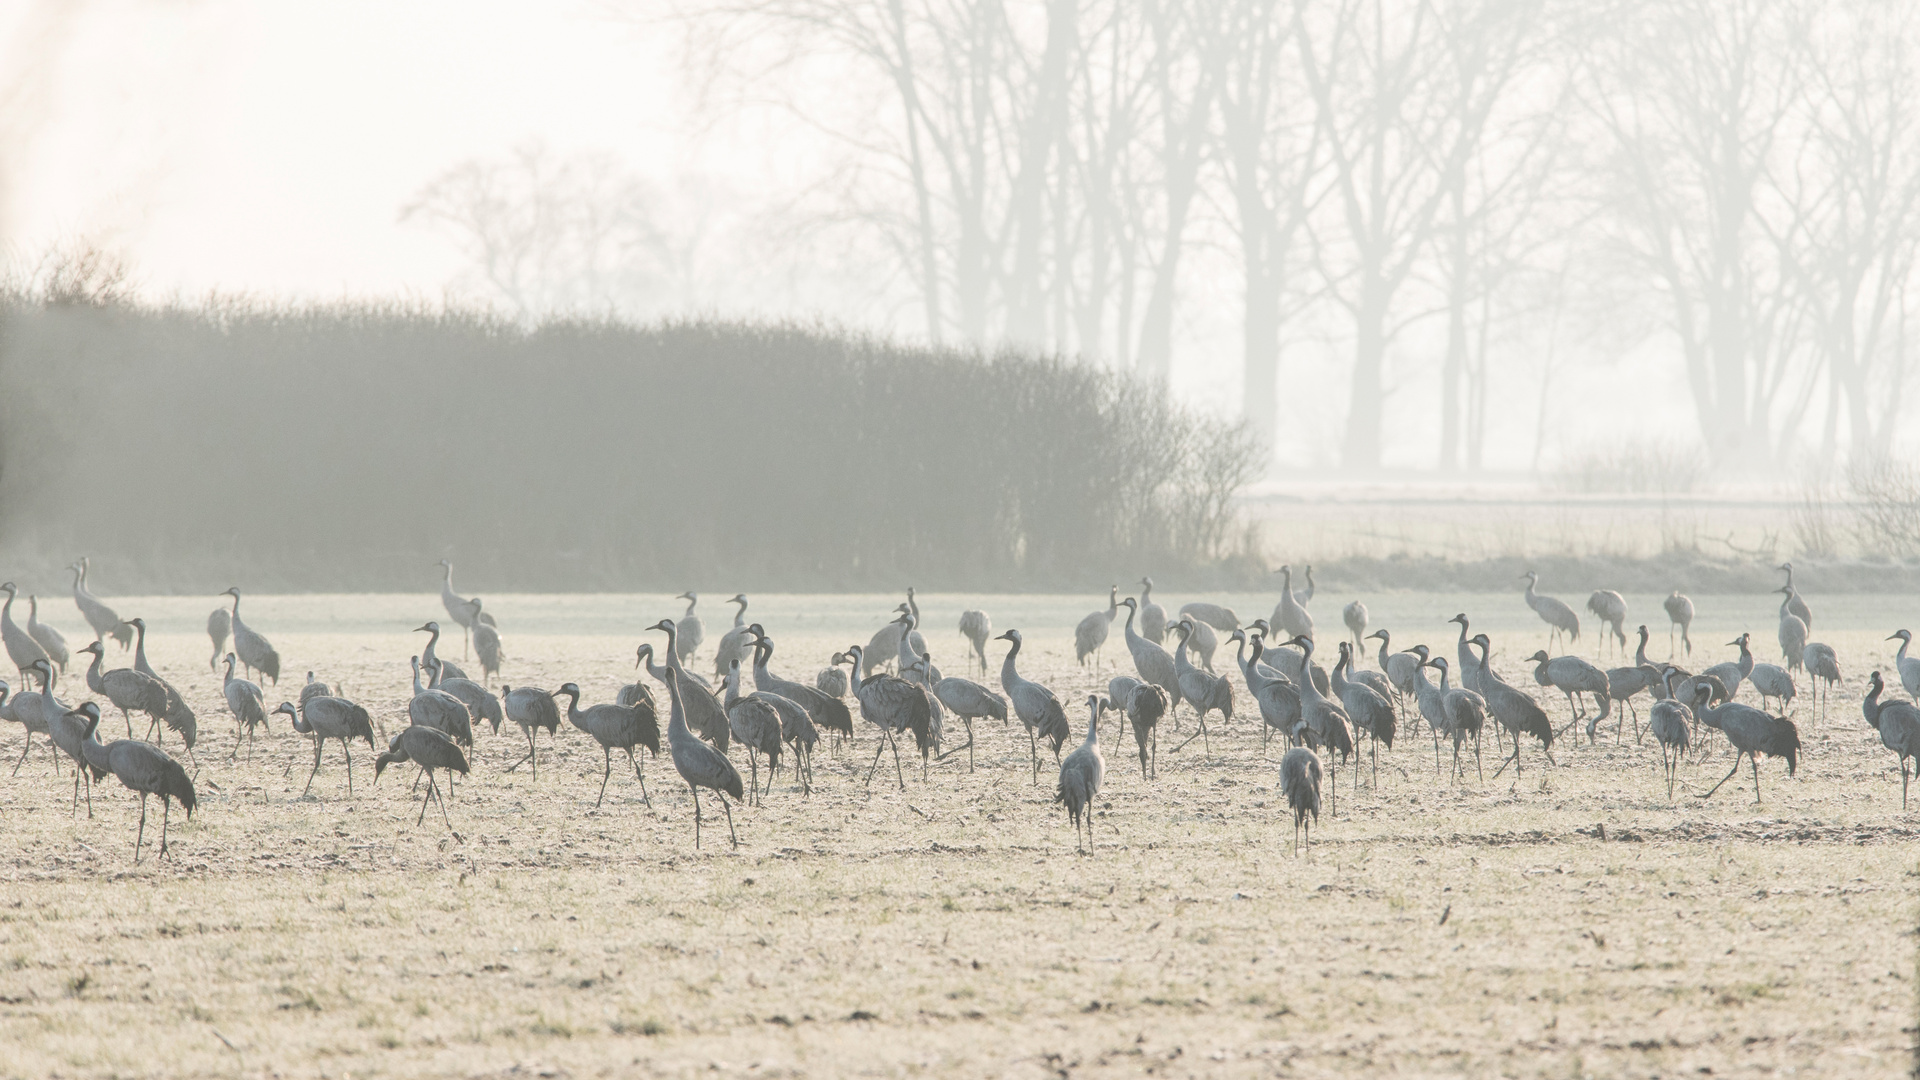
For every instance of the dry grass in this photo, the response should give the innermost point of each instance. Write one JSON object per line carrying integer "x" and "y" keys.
{"x": 1481, "y": 928}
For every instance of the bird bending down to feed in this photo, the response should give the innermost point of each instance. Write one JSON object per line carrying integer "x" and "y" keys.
{"x": 1080, "y": 776}
{"x": 1898, "y": 723}
{"x": 326, "y": 718}
{"x": 1300, "y": 774}
{"x": 1355, "y": 616}
{"x": 432, "y": 750}
{"x": 1751, "y": 732}
{"x": 977, "y": 628}
{"x": 1611, "y": 608}
{"x": 1091, "y": 634}
{"x": 531, "y": 708}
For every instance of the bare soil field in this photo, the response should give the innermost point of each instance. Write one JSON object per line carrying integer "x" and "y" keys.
{"x": 1572, "y": 922}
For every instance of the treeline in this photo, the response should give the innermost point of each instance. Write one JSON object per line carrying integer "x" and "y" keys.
{"x": 348, "y": 447}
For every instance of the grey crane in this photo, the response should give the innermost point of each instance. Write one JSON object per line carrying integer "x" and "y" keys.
{"x": 1611, "y": 608}
{"x": 1671, "y": 722}
{"x": 1080, "y": 776}
{"x": 1153, "y": 618}
{"x": 1355, "y": 616}
{"x": 733, "y": 643}
{"x": 699, "y": 764}
{"x": 1368, "y": 708}
{"x": 615, "y": 727}
{"x": 1217, "y": 616}
{"x": 145, "y": 768}
{"x": 440, "y": 711}
{"x": 1732, "y": 673}
{"x": 254, "y": 651}
{"x": 883, "y": 648}
{"x": 1144, "y": 704}
{"x": 179, "y": 716}
{"x": 247, "y": 704}
{"x": 1628, "y": 681}
{"x": 1426, "y": 699}
{"x": 1091, "y": 634}
{"x": 701, "y": 708}
{"x": 1680, "y": 614}
{"x": 447, "y": 669}
{"x": 831, "y": 681}
{"x": 1752, "y": 733}
{"x": 29, "y": 708}
{"x": 1773, "y": 681}
{"x": 1399, "y": 667}
{"x": 1300, "y": 775}
{"x": 1795, "y": 604}
{"x": 1275, "y": 694}
{"x": 1203, "y": 692}
{"x": 70, "y": 732}
{"x": 1898, "y": 723}
{"x": 459, "y": 608}
{"x": 1907, "y": 666}
{"x": 50, "y": 639}
{"x": 325, "y": 717}
{"x": 1153, "y": 663}
{"x": 481, "y": 703}
{"x": 893, "y": 705}
{"x": 98, "y": 615}
{"x": 1822, "y": 664}
{"x": 797, "y": 726}
{"x": 693, "y": 632}
{"x": 756, "y": 726}
{"x": 431, "y": 749}
{"x": 1571, "y": 676}
{"x": 21, "y": 648}
{"x": 976, "y": 627}
{"x": 219, "y": 628}
{"x": 1551, "y": 610}
{"x": 1469, "y": 665}
{"x": 969, "y": 701}
{"x": 1039, "y": 711}
{"x": 1793, "y": 630}
{"x": 1465, "y": 715}
{"x": 1289, "y": 614}
{"x": 643, "y": 657}
{"x": 486, "y": 645}
{"x": 1202, "y": 641}
{"x": 1515, "y": 712}
{"x": 1327, "y": 723}
{"x": 1373, "y": 680}
{"x": 638, "y": 690}
{"x": 532, "y": 708}
{"x": 314, "y": 688}
{"x": 824, "y": 710}
{"x": 127, "y": 689}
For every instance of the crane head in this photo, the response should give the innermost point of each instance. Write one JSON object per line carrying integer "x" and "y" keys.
{"x": 663, "y": 624}
{"x": 431, "y": 628}
{"x": 1900, "y": 635}
{"x": 94, "y": 648}
{"x": 233, "y": 592}
{"x": 689, "y": 595}
{"x": 1539, "y": 657}
{"x": 285, "y": 707}
{"x": 1461, "y": 619}
{"x": 1381, "y": 634}
{"x": 1011, "y": 635}
{"x": 570, "y": 689}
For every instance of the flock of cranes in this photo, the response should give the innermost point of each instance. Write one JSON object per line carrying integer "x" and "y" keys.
{"x": 1322, "y": 714}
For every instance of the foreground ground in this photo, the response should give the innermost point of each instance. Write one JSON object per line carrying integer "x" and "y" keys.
{"x": 1573, "y": 923}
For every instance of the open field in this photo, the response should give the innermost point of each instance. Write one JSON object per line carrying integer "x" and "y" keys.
{"x": 1573, "y": 923}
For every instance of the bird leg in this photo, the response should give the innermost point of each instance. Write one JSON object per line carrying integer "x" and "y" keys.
{"x": 897, "y": 772}
{"x": 1754, "y": 759}
{"x": 880, "y": 748}
{"x": 638, "y": 775}
{"x": 729, "y": 810}
{"x": 348, "y": 750}
{"x": 607, "y": 751}
{"x": 1729, "y": 776}
{"x": 166, "y": 814}
{"x": 316, "y": 769}
{"x": 753, "y": 774}
{"x": 142, "y": 834}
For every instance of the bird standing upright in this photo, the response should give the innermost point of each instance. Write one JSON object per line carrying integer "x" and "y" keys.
{"x": 700, "y": 765}
{"x": 1080, "y": 776}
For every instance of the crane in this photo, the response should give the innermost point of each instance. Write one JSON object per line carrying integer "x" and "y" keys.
{"x": 1907, "y": 666}
{"x": 532, "y": 708}
{"x": 1773, "y": 681}
{"x": 1793, "y": 630}
{"x": 1795, "y": 604}
{"x": 732, "y": 643}
{"x": 755, "y": 724}
{"x": 1552, "y": 610}
{"x": 700, "y": 707}
{"x": 70, "y": 731}
{"x": 1679, "y": 613}
{"x": 440, "y": 711}
{"x": 969, "y": 701}
{"x": 459, "y": 609}
{"x": 1671, "y": 721}
{"x": 1327, "y": 723}
{"x": 447, "y": 668}
{"x": 145, "y": 768}
{"x": 1144, "y": 704}
{"x": 1465, "y": 714}
{"x": 325, "y": 717}
{"x": 976, "y": 627}
{"x": 1153, "y": 618}
{"x": 1751, "y": 732}
{"x": 1300, "y": 774}
{"x": 699, "y": 763}
{"x": 1220, "y": 618}
{"x": 1039, "y": 711}
{"x": 1399, "y": 667}
{"x": 1821, "y": 663}
{"x": 1275, "y": 694}
{"x": 486, "y": 645}
{"x": 49, "y": 639}
{"x": 21, "y": 648}
{"x": 1355, "y": 616}
{"x": 692, "y": 631}
{"x": 1898, "y": 723}
{"x": 824, "y": 711}
{"x": 615, "y": 727}
{"x": 247, "y": 703}
{"x": 98, "y": 615}
{"x": 1289, "y": 614}
{"x": 481, "y": 703}
{"x": 1611, "y": 609}
{"x": 1571, "y": 675}
{"x": 1366, "y": 706}
{"x": 253, "y": 650}
{"x": 30, "y": 709}
{"x": 126, "y": 688}
{"x": 1512, "y": 709}
{"x": 1080, "y": 776}
{"x": 219, "y": 628}
{"x": 1153, "y": 663}
{"x": 1732, "y": 673}
{"x": 179, "y": 717}
{"x": 432, "y": 750}
{"x": 1091, "y": 634}
{"x": 893, "y": 704}
{"x": 1203, "y": 692}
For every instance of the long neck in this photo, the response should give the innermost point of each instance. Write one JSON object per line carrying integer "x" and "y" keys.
{"x": 1640, "y": 654}
{"x": 426, "y": 654}
{"x": 140, "y": 646}
{"x": 229, "y": 677}
{"x": 740, "y": 617}
{"x": 77, "y": 590}
{"x": 93, "y": 670}
{"x": 1384, "y": 653}
{"x": 1093, "y": 728}
{"x": 1007, "y": 670}
{"x": 33, "y": 610}
{"x": 676, "y": 720}
{"x": 1530, "y": 583}
{"x": 913, "y": 606}
{"x": 760, "y": 658}
{"x": 1871, "y": 706}
{"x": 573, "y": 707}
{"x": 1113, "y": 605}
{"x": 1443, "y": 680}
{"x": 1340, "y": 667}
{"x": 1904, "y": 642}
{"x": 673, "y": 654}
{"x": 733, "y": 683}
{"x": 1746, "y": 657}
{"x": 1785, "y": 601}
{"x": 1180, "y": 654}
{"x": 1240, "y": 654}
{"x": 417, "y": 688}
{"x": 690, "y": 605}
